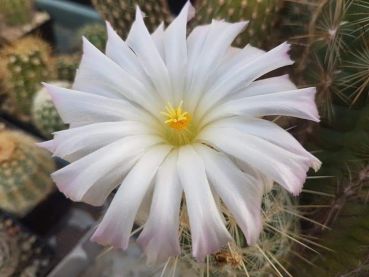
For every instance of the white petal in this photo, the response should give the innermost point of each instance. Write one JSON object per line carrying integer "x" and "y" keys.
{"x": 243, "y": 75}
{"x": 261, "y": 178}
{"x": 271, "y": 132}
{"x": 284, "y": 167}
{"x": 77, "y": 178}
{"x": 241, "y": 193}
{"x": 142, "y": 44}
{"x": 116, "y": 226}
{"x": 206, "y": 44}
{"x": 175, "y": 50}
{"x": 75, "y": 106}
{"x": 120, "y": 53}
{"x": 266, "y": 86}
{"x": 48, "y": 145}
{"x": 208, "y": 232}
{"x": 237, "y": 58}
{"x": 296, "y": 103}
{"x": 77, "y": 142}
{"x": 158, "y": 39}
{"x": 160, "y": 236}
{"x": 97, "y": 74}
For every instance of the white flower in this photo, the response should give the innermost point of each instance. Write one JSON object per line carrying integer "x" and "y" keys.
{"x": 163, "y": 114}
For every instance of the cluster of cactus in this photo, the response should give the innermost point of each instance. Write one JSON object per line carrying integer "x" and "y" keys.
{"x": 121, "y": 13}
{"x": 262, "y": 16}
{"x": 25, "y": 64}
{"x": 16, "y": 12}
{"x": 95, "y": 33}
{"x": 332, "y": 53}
{"x": 24, "y": 173}
{"x": 44, "y": 115}
{"x": 269, "y": 256}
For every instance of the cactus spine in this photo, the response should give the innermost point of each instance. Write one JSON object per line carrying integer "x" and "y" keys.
{"x": 268, "y": 257}
{"x": 332, "y": 54}
{"x": 25, "y": 65}
{"x": 24, "y": 173}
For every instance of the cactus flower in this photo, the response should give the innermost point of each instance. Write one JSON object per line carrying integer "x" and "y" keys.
{"x": 176, "y": 122}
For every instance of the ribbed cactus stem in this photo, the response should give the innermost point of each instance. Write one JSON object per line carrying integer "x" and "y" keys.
{"x": 25, "y": 64}
{"x": 44, "y": 114}
{"x": 121, "y": 13}
{"x": 262, "y": 16}
{"x": 24, "y": 173}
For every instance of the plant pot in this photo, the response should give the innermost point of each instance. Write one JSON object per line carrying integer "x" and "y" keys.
{"x": 67, "y": 17}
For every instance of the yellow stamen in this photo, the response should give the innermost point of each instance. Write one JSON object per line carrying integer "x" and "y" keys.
{"x": 176, "y": 117}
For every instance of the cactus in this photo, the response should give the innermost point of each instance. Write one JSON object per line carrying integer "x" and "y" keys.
{"x": 331, "y": 51}
{"x": 268, "y": 257}
{"x": 21, "y": 253}
{"x": 95, "y": 33}
{"x": 121, "y": 13}
{"x": 24, "y": 173}
{"x": 44, "y": 115}
{"x": 16, "y": 12}
{"x": 262, "y": 14}
{"x": 340, "y": 74}
{"x": 25, "y": 65}
{"x": 66, "y": 67}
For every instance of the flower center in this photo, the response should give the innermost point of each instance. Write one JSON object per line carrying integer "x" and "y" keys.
{"x": 176, "y": 118}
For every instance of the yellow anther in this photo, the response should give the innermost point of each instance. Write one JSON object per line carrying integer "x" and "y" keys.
{"x": 176, "y": 117}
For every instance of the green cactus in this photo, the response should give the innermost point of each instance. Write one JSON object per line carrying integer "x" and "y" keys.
{"x": 16, "y": 12}
{"x": 66, "y": 67}
{"x": 22, "y": 253}
{"x": 24, "y": 173}
{"x": 121, "y": 13}
{"x": 332, "y": 53}
{"x": 95, "y": 33}
{"x": 262, "y": 14}
{"x": 268, "y": 257}
{"x": 25, "y": 65}
{"x": 44, "y": 115}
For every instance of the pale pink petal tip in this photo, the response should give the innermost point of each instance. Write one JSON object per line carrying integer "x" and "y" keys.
{"x": 191, "y": 10}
